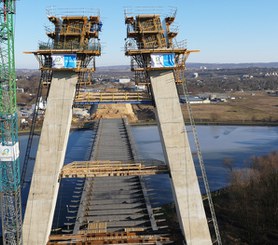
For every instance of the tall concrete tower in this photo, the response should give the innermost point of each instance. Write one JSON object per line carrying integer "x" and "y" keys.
{"x": 159, "y": 62}
{"x": 66, "y": 61}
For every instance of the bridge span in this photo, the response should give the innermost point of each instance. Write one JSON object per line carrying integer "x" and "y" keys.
{"x": 116, "y": 209}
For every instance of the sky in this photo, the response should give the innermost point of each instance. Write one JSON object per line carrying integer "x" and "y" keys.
{"x": 225, "y": 31}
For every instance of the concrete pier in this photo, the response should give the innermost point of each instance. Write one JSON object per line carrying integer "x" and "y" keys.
{"x": 186, "y": 191}
{"x": 49, "y": 160}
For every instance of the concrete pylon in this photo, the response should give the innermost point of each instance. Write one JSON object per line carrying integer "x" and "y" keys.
{"x": 50, "y": 159}
{"x": 178, "y": 156}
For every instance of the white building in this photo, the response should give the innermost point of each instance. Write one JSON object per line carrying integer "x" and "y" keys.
{"x": 195, "y": 74}
{"x": 124, "y": 80}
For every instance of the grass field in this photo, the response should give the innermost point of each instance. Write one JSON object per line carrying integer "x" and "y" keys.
{"x": 247, "y": 107}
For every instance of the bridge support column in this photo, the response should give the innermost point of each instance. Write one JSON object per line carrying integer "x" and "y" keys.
{"x": 50, "y": 159}
{"x": 178, "y": 156}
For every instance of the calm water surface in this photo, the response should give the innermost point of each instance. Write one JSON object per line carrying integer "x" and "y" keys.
{"x": 236, "y": 143}
{"x": 218, "y": 143}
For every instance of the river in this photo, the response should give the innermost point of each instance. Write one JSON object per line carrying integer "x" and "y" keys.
{"x": 236, "y": 143}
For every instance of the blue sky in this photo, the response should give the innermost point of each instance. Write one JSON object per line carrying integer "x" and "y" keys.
{"x": 226, "y": 31}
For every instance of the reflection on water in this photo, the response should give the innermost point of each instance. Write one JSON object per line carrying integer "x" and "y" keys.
{"x": 237, "y": 143}
{"x": 218, "y": 143}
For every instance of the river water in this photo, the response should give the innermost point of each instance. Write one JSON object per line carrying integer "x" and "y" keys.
{"x": 237, "y": 144}
{"x": 218, "y": 143}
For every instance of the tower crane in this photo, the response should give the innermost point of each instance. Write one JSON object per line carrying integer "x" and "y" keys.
{"x": 11, "y": 214}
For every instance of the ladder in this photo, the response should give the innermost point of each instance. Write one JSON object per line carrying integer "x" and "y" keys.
{"x": 46, "y": 77}
{"x": 201, "y": 163}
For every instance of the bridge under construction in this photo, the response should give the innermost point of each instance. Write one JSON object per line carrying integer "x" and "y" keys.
{"x": 115, "y": 208}
{"x": 113, "y": 205}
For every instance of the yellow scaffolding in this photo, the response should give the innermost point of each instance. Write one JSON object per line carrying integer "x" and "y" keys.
{"x": 87, "y": 169}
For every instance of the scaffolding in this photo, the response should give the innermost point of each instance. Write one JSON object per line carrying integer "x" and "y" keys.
{"x": 88, "y": 98}
{"x": 147, "y": 36}
{"x": 75, "y": 38}
{"x": 110, "y": 168}
{"x": 10, "y": 191}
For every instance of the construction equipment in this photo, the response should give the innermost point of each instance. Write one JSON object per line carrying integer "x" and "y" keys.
{"x": 87, "y": 169}
{"x": 90, "y": 98}
{"x": 9, "y": 148}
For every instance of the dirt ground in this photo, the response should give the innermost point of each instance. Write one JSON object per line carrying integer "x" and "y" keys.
{"x": 115, "y": 111}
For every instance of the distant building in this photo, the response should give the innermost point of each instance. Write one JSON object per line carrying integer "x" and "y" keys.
{"x": 89, "y": 90}
{"x": 220, "y": 97}
{"x": 247, "y": 76}
{"x": 195, "y": 74}
{"x": 41, "y": 104}
{"x": 194, "y": 100}
{"x": 268, "y": 74}
{"x": 124, "y": 80}
{"x": 25, "y": 112}
{"x": 20, "y": 90}
{"x": 80, "y": 112}
{"x": 140, "y": 87}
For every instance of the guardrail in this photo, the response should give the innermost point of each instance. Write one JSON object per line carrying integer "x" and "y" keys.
{"x": 70, "y": 45}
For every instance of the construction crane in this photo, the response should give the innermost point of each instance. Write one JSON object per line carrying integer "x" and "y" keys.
{"x": 11, "y": 214}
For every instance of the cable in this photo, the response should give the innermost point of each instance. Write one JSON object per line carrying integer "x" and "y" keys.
{"x": 201, "y": 161}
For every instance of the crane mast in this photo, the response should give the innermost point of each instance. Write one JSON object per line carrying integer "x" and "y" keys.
{"x": 11, "y": 214}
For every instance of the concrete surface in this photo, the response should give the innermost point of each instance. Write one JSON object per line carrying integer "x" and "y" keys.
{"x": 186, "y": 191}
{"x": 49, "y": 160}
{"x": 119, "y": 201}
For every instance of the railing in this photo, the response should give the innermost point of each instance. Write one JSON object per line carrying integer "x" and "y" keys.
{"x": 147, "y": 27}
{"x": 174, "y": 28}
{"x": 96, "y": 46}
{"x": 108, "y": 97}
{"x": 58, "y": 12}
{"x": 143, "y": 10}
{"x": 151, "y": 10}
{"x": 180, "y": 45}
{"x": 131, "y": 44}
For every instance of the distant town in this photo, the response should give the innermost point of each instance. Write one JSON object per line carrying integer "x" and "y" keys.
{"x": 208, "y": 84}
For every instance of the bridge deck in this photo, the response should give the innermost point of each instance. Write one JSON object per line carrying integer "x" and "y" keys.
{"x": 113, "y": 143}
{"x": 114, "y": 206}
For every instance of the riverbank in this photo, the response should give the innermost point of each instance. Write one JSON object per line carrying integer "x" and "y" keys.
{"x": 208, "y": 123}
{"x": 89, "y": 125}
{"x": 246, "y": 108}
